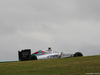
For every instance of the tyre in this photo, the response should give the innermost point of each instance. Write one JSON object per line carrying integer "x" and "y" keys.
{"x": 33, "y": 57}
{"x": 77, "y": 54}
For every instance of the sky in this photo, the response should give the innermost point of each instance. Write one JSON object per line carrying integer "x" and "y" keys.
{"x": 64, "y": 25}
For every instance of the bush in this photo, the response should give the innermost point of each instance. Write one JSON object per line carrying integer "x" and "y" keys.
{"x": 33, "y": 57}
{"x": 77, "y": 54}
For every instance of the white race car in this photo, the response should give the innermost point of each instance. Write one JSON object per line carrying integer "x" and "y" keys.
{"x": 49, "y": 54}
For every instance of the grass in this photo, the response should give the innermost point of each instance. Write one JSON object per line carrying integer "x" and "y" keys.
{"x": 64, "y": 66}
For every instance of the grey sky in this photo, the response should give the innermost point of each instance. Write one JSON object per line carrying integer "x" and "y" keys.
{"x": 64, "y": 25}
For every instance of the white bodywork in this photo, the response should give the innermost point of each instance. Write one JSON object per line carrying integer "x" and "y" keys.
{"x": 48, "y": 56}
{"x": 53, "y": 54}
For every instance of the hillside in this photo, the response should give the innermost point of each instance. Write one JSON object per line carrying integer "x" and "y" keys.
{"x": 64, "y": 66}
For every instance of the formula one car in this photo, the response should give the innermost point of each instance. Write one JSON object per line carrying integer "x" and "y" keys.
{"x": 49, "y": 54}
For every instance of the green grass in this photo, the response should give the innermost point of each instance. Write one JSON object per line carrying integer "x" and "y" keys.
{"x": 64, "y": 66}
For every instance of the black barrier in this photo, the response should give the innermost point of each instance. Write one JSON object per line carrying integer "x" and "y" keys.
{"x": 24, "y": 55}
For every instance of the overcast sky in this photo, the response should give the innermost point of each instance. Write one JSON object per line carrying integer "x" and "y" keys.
{"x": 64, "y": 25}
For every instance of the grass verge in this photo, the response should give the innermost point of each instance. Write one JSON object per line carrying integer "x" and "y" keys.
{"x": 64, "y": 66}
